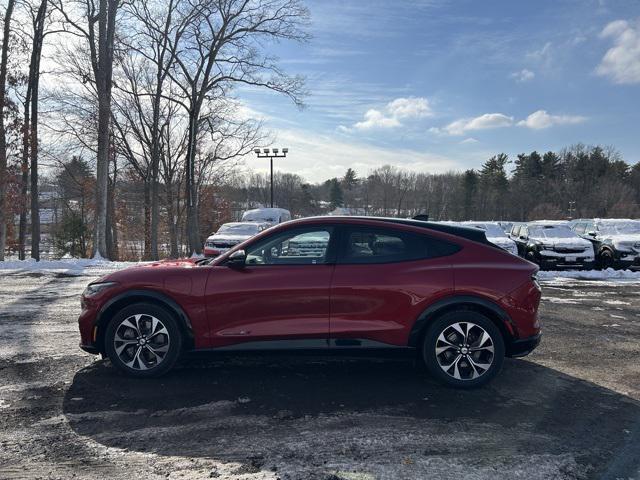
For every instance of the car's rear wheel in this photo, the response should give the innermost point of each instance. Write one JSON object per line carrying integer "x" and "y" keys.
{"x": 143, "y": 340}
{"x": 463, "y": 349}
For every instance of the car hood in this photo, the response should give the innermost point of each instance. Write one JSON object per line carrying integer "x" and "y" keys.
{"x": 563, "y": 242}
{"x": 149, "y": 270}
{"x": 228, "y": 238}
{"x": 631, "y": 237}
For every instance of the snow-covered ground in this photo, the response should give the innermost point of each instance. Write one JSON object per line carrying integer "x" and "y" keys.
{"x": 609, "y": 275}
{"x": 77, "y": 266}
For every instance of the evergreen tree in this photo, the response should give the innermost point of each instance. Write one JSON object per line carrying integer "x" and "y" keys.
{"x": 335, "y": 193}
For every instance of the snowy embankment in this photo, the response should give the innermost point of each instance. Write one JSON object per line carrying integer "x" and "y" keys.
{"x": 600, "y": 275}
{"x": 77, "y": 266}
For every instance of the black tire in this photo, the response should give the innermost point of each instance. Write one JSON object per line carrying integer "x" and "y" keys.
{"x": 607, "y": 260}
{"x": 167, "y": 340}
{"x": 473, "y": 361}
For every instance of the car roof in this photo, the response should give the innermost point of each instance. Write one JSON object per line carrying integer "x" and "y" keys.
{"x": 468, "y": 233}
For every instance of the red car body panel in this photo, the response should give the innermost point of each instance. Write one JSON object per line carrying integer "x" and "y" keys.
{"x": 378, "y": 302}
{"x": 269, "y": 302}
{"x": 382, "y": 302}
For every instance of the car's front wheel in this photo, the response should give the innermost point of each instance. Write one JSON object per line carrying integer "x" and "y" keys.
{"x": 463, "y": 349}
{"x": 143, "y": 340}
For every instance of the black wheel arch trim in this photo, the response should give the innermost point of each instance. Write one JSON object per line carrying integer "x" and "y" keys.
{"x": 154, "y": 296}
{"x": 446, "y": 304}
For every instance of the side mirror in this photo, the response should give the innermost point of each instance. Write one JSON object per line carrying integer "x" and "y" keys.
{"x": 592, "y": 233}
{"x": 237, "y": 259}
{"x": 522, "y": 237}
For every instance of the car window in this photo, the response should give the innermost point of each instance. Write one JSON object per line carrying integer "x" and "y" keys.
{"x": 365, "y": 245}
{"x": 515, "y": 231}
{"x": 297, "y": 247}
{"x": 579, "y": 228}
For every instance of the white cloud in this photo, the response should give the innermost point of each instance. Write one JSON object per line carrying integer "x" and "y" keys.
{"x": 483, "y": 122}
{"x": 541, "y": 119}
{"x": 376, "y": 119}
{"x": 395, "y": 111}
{"x": 469, "y": 141}
{"x": 523, "y": 75}
{"x": 317, "y": 157}
{"x": 409, "y": 108}
{"x": 621, "y": 63}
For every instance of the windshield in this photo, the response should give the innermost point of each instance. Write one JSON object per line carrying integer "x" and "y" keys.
{"x": 491, "y": 230}
{"x": 239, "y": 229}
{"x": 622, "y": 228}
{"x": 552, "y": 231}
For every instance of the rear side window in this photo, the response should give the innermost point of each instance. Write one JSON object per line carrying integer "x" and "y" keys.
{"x": 368, "y": 245}
{"x": 515, "y": 230}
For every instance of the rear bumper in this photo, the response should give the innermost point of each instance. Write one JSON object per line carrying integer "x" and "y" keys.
{"x": 523, "y": 346}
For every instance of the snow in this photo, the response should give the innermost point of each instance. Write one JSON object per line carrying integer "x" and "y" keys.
{"x": 76, "y": 266}
{"x": 608, "y": 275}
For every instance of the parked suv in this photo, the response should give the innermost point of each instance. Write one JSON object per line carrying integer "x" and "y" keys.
{"x": 616, "y": 241}
{"x": 229, "y": 235}
{"x": 553, "y": 245}
{"x": 370, "y": 285}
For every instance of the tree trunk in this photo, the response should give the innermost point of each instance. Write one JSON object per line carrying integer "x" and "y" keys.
{"x": 34, "y": 79}
{"x": 24, "y": 190}
{"x": 146, "y": 254}
{"x": 193, "y": 228}
{"x": 3, "y": 138}
{"x": 173, "y": 226}
{"x": 103, "y": 74}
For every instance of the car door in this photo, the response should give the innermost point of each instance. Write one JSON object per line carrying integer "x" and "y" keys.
{"x": 280, "y": 295}
{"x": 383, "y": 280}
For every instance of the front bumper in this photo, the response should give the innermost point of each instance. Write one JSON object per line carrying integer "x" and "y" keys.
{"x": 523, "y": 346}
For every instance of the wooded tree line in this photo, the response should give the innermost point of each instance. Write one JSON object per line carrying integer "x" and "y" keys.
{"x": 140, "y": 92}
{"x": 578, "y": 181}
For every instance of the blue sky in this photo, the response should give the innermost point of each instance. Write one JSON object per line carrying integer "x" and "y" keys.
{"x": 436, "y": 85}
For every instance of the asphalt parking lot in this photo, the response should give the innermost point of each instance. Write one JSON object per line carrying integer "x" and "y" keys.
{"x": 570, "y": 410}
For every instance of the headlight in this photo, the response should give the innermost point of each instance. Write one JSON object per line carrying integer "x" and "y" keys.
{"x": 95, "y": 288}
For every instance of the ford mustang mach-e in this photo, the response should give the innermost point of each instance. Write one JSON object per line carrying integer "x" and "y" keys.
{"x": 328, "y": 284}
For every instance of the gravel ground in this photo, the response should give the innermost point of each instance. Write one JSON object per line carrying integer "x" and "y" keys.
{"x": 570, "y": 410}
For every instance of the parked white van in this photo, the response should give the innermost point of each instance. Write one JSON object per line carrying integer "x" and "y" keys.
{"x": 273, "y": 216}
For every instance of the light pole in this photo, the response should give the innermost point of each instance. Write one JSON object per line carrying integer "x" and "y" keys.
{"x": 271, "y": 154}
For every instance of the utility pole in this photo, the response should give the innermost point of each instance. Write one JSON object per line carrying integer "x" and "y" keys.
{"x": 271, "y": 154}
{"x": 572, "y": 208}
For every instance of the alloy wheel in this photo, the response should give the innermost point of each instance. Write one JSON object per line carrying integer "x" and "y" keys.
{"x": 141, "y": 342}
{"x": 465, "y": 351}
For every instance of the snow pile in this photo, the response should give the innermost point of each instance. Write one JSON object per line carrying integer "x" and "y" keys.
{"x": 76, "y": 266}
{"x": 608, "y": 274}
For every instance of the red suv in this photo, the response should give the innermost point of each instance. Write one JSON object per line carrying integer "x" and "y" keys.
{"x": 328, "y": 284}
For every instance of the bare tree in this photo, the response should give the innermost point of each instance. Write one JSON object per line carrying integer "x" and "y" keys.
{"x": 96, "y": 25}
{"x": 3, "y": 139}
{"x": 220, "y": 48}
